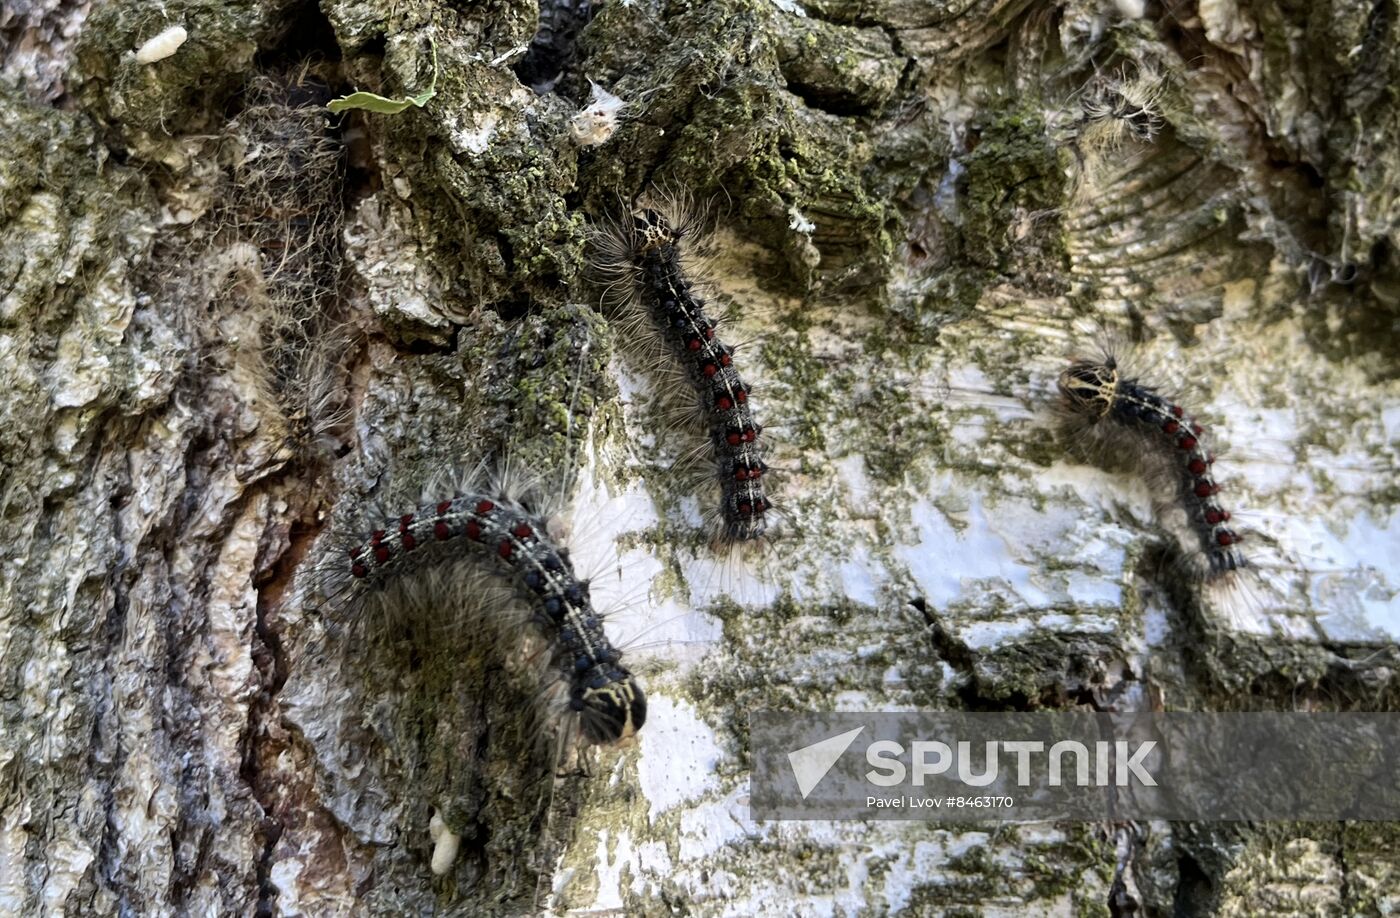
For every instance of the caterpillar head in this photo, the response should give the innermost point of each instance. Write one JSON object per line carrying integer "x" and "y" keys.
{"x": 1089, "y": 387}
{"x": 610, "y": 709}
{"x": 653, "y": 231}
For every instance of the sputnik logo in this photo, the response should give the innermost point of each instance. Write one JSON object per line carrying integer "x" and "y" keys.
{"x": 811, "y": 763}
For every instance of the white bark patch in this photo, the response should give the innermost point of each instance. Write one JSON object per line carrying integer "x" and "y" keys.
{"x": 162, "y": 46}
{"x": 478, "y": 138}
{"x": 679, "y": 756}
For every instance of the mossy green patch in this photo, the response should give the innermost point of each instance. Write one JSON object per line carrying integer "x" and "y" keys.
{"x": 1016, "y": 189}
{"x": 719, "y": 117}
{"x": 148, "y": 104}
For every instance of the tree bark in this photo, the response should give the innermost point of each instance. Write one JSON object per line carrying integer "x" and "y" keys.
{"x": 235, "y": 330}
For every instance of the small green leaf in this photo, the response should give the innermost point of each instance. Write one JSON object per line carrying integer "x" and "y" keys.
{"x": 380, "y": 105}
{"x": 369, "y": 102}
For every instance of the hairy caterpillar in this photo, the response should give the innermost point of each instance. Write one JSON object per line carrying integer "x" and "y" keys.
{"x": 610, "y": 703}
{"x": 1108, "y": 416}
{"x": 279, "y": 233}
{"x": 640, "y": 261}
{"x": 1293, "y": 556}
{"x": 1103, "y": 401}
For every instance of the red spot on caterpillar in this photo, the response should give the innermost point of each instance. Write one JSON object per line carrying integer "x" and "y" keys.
{"x": 474, "y": 530}
{"x": 548, "y": 578}
{"x": 444, "y": 507}
{"x": 657, "y": 276}
{"x": 484, "y": 507}
{"x": 1099, "y": 391}
{"x": 376, "y": 537}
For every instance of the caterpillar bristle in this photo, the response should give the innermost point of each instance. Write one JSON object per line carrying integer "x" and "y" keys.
{"x": 746, "y": 574}
{"x": 1107, "y": 410}
{"x": 276, "y": 232}
{"x": 482, "y": 560}
{"x": 648, "y": 280}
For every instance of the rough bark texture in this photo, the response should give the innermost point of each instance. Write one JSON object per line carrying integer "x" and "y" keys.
{"x": 230, "y": 326}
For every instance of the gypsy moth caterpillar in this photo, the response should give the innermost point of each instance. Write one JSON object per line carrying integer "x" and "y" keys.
{"x": 1105, "y": 415}
{"x": 640, "y": 263}
{"x": 1295, "y": 563}
{"x": 1126, "y": 105}
{"x": 1103, "y": 404}
{"x": 514, "y": 540}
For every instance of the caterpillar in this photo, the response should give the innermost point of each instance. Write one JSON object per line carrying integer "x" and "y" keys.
{"x": 1285, "y": 556}
{"x": 602, "y": 691}
{"x": 1095, "y": 395}
{"x": 1112, "y": 111}
{"x": 277, "y": 252}
{"x": 641, "y": 263}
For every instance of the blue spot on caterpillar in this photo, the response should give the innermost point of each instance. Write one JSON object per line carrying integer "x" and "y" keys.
{"x": 641, "y": 262}
{"x": 610, "y": 704}
{"x": 1095, "y": 395}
